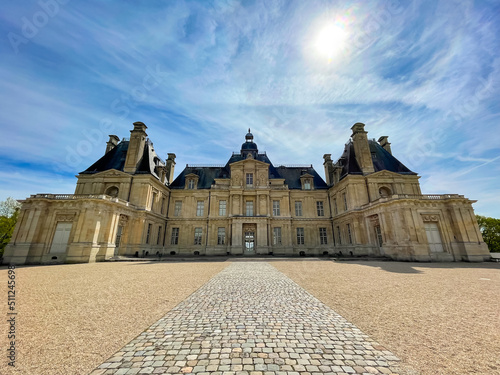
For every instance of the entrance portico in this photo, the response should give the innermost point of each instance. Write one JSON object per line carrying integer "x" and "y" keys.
{"x": 249, "y": 236}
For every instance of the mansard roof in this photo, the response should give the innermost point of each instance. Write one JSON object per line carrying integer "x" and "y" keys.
{"x": 115, "y": 159}
{"x": 382, "y": 161}
{"x": 208, "y": 174}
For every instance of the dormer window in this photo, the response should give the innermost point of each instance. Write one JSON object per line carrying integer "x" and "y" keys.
{"x": 306, "y": 181}
{"x": 191, "y": 181}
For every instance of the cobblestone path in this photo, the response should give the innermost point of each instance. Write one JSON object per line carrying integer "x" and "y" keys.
{"x": 251, "y": 319}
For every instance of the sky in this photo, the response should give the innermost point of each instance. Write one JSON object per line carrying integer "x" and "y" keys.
{"x": 298, "y": 73}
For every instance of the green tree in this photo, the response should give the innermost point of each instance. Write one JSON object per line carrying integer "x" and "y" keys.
{"x": 9, "y": 211}
{"x": 490, "y": 228}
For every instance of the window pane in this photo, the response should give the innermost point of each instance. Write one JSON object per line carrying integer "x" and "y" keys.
{"x": 222, "y": 208}
{"x": 174, "y": 240}
{"x": 349, "y": 236}
{"x": 298, "y": 208}
{"x": 319, "y": 208}
{"x": 178, "y": 208}
{"x": 277, "y": 236}
{"x": 322, "y": 236}
{"x": 300, "y": 236}
{"x": 249, "y": 208}
{"x": 197, "y": 236}
{"x": 199, "y": 208}
{"x": 276, "y": 208}
{"x": 249, "y": 179}
{"x": 148, "y": 233}
{"x": 221, "y": 236}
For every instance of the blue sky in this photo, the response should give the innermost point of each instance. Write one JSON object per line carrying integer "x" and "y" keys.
{"x": 200, "y": 73}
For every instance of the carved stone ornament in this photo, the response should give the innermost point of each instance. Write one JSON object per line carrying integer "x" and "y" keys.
{"x": 430, "y": 218}
{"x": 236, "y": 179}
{"x": 65, "y": 217}
{"x": 123, "y": 220}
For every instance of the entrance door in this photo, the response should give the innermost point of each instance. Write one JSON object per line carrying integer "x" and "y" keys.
{"x": 118, "y": 239}
{"x": 249, "y": 242}
{"x": 434, "y": 238}
{"x": 61, "y": 237}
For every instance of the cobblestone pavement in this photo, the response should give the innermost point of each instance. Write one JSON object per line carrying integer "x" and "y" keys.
{"x": 251, "y": 319}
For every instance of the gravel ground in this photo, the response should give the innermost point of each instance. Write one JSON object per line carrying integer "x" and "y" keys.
{"x": 71, "y": 318}
{"x": 438, "y": 318}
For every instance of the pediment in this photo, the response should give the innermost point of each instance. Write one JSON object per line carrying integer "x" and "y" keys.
{"x": 307, "y": 175}
{"x": 385, "y": 173}
{"x": 111, "y": 173}
{"x": 249, "y": 161}
{"x": 192, "y": 175}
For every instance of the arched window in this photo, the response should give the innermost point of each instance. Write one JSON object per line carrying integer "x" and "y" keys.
{"x": 385, "y": 192}
{"x": 112, "y": 191}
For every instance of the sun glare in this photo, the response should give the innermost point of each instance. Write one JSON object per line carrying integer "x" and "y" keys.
{"x": 330, "y": 41}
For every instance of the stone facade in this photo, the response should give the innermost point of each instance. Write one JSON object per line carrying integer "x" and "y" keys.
{"x": 128, "y": 203}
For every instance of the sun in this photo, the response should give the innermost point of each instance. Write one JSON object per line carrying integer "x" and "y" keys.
{"x": 330, "y": 41}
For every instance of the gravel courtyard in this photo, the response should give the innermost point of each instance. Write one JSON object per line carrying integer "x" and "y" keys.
{"x": 438, "y": 318}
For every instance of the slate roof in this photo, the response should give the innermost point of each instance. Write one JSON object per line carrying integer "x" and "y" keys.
{"x": 115, "y": 159}
{"x": 207, "y": 175}
{"x": 382, "y": 161}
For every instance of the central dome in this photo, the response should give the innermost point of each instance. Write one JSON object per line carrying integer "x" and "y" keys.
{"x": 249, "y": 145}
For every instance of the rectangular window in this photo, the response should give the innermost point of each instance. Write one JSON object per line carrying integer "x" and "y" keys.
{"x": 221, "y": 236}
{"x": 191, "y": 184}
{"x": 153, "y": 201}
{"x": 320, "y": 209}
{"x": 249, "y": 208}
{"x": 277, "y": 236}
{"x": 159, "y": 235}
{"x": 148, "y": 234}
{"x": 307, "y": 184}
{"x": 338, "y": 235}
{"x": 200, "y": 207}
{"x": 249, "y": 179}
{"x": 349, "y": 236}
{"x": 178, "y": 208}
{"x": 300, "y": 236}
{"x": 378, "y": 233}
{"x": 345, "y": 201}
{"x": 174, "y": 240}
{"x": 336, "y": 210}
{"x": 222, "y": 208}
{"x": 322, "y": 236}
{"x": 298, "y": 208}
{"x": 197, "y": 236}
{"x": 276, "y": 208}
{"x": 162, "y": 206}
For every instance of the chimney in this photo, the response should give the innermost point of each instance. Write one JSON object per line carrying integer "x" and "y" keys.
{"x": 362, "y": 148}
{"x": 328, "y": 164}
{"x": 170, "y": 164}
{"x": 384, "y": 142}
{"x": 111, "y": 144}
{"x": 135, "y": 147}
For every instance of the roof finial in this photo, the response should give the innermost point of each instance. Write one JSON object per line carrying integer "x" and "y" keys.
{"x": 249, "y": 130}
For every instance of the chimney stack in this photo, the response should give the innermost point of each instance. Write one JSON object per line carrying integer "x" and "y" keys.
{"x": 111, "y": 144}
{"x": 362, "y": 148}
{"x": 170, "y": 164}
{"x": 384, "y": 142}
{"x": 328, "y": 164}
{"x": 135, "y": 147}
